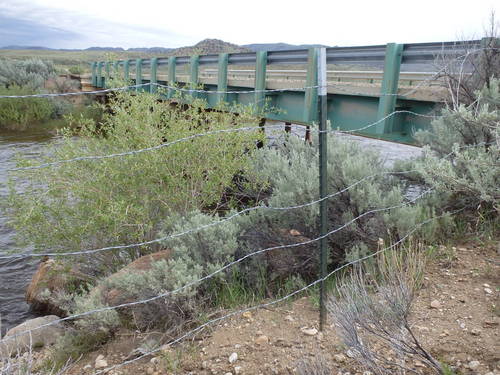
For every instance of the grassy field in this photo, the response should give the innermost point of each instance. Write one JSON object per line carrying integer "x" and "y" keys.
{"x": 64, "y": 60}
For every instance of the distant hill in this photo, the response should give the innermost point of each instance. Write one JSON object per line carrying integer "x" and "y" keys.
{"x": 206, "y": 46}
{"x": 209, "y": 46}
{"x": 26, "y": 47}
{"x": 116, "y": 49}
{"x": 278, "y": 46}
{"x": 151, "y": 49}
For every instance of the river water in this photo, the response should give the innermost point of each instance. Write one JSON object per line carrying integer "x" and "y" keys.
{"x": 15, "y": 275}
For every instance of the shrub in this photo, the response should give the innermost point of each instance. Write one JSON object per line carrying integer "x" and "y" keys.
{"x": 19, "y": 113}
{"x": 31, "y": 73}
{"x": 461, "y": 153}
{"x": 291, "y": 171}
{"x": 97, "y": 203}
{"x": 371, "y": 313}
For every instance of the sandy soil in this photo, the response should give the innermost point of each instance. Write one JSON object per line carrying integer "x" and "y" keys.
{"x": 460, "y": 328}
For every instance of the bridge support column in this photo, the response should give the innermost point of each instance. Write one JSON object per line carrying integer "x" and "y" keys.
{"x": 138, "y": 74}
{"x": 153, "y": 76}
{"x": 222, "y": 77}
{"x": 311, "y": 91}
{"x": 172, "y": 62}
{"x": 389, "y": 89}
{"x": 194, "y": 64}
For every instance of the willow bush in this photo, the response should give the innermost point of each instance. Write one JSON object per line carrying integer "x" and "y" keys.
{"x": 122, "y": 200}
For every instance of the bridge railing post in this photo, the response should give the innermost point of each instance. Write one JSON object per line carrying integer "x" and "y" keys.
{"x": 107, "y": 69}
{"x": 153, "y": 75}
{"x": 94, "y": 73}
{"x": 99, "y": 74}
{"x": 116, "y": 69}
{"x": 389, "y": 88}
{"x": 138, "y": 74}
{"x": 172, "y": 64}
{"x": 126, "y": 71}
{"x": 260, "y": 79}
{"x": 194, "y": 65}
{"x": 311, "y": 91}
{"x": 222, "y": 77}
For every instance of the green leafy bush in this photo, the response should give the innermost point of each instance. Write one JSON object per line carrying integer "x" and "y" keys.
{"x": 19, "y": 113}
{"x": 122, "y": 200}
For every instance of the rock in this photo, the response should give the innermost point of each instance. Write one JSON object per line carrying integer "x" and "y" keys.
{"x": 150, "y": 371}
{"x": 36, "y": 337}
{"x": 475, "y": 332}
{"x": 228, "y": 373}
{"x": 114, "y": 296}
{"x": 261, "y": 340}
{"x": 435, "y": 304}
{"x": 294, "y": 232}
{"x": 247, "y": 315}
{"x": 488, "y": 291}
{"x": 53, "y": 277}
{"x": 350, "y": 353}
{"x": 100, "y": 362}
{"x": 289, "y": 318}
{"x": 367, "y": 373}
{"x": 473, "y": 364}
{"x": 238, "y": 370}
{"x": 339, "y": 358}
{"x": 309, "y": 331}
{"x": 233, "y": 357}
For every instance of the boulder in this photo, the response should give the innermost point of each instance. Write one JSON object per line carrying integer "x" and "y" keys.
{"x": 114, "y": 296}
{"x": 35, "y": 338}
{"x": 51, "y": 278}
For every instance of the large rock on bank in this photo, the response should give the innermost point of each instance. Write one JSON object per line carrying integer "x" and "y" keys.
{"x": 11, "y": 344}
{"x": 52, "y": 278}
{"x": 114, "y": 296}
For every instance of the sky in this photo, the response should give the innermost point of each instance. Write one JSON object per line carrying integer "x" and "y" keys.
{"x": 150, "y": 23}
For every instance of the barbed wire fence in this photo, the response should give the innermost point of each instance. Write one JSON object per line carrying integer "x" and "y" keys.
{"x": 321, "y": 200}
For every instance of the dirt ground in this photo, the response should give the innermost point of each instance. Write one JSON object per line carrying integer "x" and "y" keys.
{"x": 455, "y": 316}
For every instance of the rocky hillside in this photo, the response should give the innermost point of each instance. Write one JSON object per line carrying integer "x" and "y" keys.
{"x": 209, "y": 46}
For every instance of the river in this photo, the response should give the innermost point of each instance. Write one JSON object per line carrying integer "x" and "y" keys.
{"x": 15, "y": 275}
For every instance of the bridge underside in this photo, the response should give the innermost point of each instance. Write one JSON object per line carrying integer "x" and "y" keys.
{"x": 346, "y": 111}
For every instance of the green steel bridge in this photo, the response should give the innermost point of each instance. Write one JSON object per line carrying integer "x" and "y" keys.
{"x": 391, "y": 84}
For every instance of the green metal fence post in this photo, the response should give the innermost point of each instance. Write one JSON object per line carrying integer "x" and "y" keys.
{"x": 126, "y": 71}
{"x": 222, "y": 77}
{"x": 260, "y": 79}
{"x": 311, "y": 92}
{"x": 194, "y": 64}
{"x": 153, "y": 77}
{"x": 99, "y": 74}
{"x": 94, "y": 73}
{"x": 116, "y": 68}
{"x": 138, "y": 74}
{"x": 323, "y": 179}
{"x": 107, "y": 69}
{"x": 389, "y": 89}
{"x": 172, "y": 62}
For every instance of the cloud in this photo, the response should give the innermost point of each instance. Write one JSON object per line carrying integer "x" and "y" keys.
{"x": 15, "y": 31}
{"x": 24, "y": 23}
